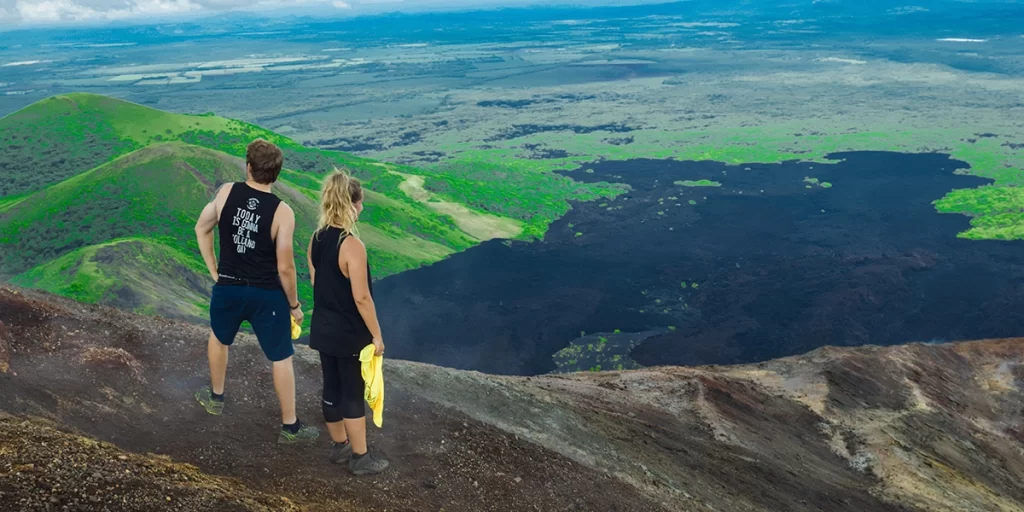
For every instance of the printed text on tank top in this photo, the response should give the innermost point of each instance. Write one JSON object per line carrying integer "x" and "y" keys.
{"x": 248, "y": 253}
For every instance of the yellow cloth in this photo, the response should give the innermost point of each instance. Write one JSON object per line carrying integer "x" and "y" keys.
{"x": 373, "y": 376}
{"x": 296, "y": 328}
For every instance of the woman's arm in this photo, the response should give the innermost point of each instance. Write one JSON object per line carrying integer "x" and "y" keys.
{"x": 353, "y": 257}
{"x": 309, "y": 261}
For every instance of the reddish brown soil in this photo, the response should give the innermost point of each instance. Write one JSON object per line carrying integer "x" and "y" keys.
{"x": 907, "y": 428}
{"x": 129, "y": 380}
{"x": 5, "y": 348}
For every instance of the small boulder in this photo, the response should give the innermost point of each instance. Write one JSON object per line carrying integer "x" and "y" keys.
{"x": 5, "y": 348}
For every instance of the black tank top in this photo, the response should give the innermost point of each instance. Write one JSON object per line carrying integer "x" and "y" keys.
{"x": 248, "y": 254}
{"x": 337, "y": 328}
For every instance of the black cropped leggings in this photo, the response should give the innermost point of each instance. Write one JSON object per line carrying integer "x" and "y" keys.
{"x": 344, "y": 388}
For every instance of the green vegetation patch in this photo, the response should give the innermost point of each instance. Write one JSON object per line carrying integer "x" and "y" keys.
{"x": 598, "y": 353}
{"x": 698, "y": 183}
{"x": 815, "y": 182}
{"x": 151, "y": 192}
{"x": 997, "y": 213}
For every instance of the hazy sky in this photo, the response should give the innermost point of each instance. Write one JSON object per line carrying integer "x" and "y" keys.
{"x": 25, "y": 12}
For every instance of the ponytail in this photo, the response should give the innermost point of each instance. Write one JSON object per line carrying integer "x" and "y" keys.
{"x": 338, "y": 196}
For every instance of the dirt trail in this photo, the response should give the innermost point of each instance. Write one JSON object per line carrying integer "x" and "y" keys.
{"x": 478, "y": 225}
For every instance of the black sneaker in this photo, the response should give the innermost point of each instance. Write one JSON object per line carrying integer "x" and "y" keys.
{"x": 340, "y": 453}
{"x": 371, "y": 463}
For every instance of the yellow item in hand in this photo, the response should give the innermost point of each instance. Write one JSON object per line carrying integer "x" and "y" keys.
{"x": 373, "y": 376}
{"x": 296, "y": 328}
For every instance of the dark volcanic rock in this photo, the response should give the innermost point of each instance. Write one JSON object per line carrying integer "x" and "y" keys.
{"x": 767, "y": 265}
{"x": 5, "y": 348}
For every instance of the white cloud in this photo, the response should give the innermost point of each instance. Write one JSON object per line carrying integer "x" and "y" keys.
{"x": 84, "y": 10}
{"x": 25, "y": 63}
{"x": 50, "y": 11}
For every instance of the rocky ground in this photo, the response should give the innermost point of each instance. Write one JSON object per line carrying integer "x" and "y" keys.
{"x": 43, "y": 468}
{"x": 916, "y": 427}
{"x": 128, "y": 380}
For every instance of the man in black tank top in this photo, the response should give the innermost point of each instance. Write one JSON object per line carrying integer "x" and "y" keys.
{"x": 255, "y": 281}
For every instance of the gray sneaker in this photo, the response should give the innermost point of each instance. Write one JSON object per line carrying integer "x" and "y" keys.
{"x": 306, "y": 433}
{"x": 369, "y": 464}
{"x": 340, "y": 453}
{"x": 205, "y": 398}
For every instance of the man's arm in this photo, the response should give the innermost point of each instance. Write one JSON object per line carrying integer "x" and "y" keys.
{"x": 204, "y": 235}
{"x": 285, "y": 218}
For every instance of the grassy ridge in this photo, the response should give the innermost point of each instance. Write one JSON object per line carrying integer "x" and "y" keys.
{"x": 156, "y": 191}
{"x": 131, "y": 273}
{"x": 153, "y": 193}
{"x": 53, "y": 140}
{"x": 61, "y": 136}
{"x": 410, "y": 234}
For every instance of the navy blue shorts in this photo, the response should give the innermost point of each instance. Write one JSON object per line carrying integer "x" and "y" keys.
{"x": 266, "y": 310}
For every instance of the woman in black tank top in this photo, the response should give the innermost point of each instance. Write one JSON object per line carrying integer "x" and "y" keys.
{"x": 344, "y": 320}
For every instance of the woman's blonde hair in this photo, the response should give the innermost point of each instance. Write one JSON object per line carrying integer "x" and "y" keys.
{"x": 338, "y": 196}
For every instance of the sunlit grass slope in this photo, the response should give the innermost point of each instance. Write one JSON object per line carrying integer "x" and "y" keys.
{"x": 59, "y": 137}
{"x": 152, "y": 194}
{"x": 144, "y": 275}
{"x": 156, "y": 191}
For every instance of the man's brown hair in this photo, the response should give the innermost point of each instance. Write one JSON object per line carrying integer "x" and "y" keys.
{"x": 265, "y": 159}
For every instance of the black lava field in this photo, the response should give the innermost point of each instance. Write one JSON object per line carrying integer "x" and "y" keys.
{"x": 769, "y": 264}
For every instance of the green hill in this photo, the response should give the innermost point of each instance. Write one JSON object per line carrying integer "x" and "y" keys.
{"x": 152, "y": 194}
{"x": 156, "y": 191}
{"x": 49, "y": 238}
{"x": 135, "y": 274}
{"x": 83, "y": 173}
{"x": 159, "y": 190}
{"x": 61, "y": 136}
